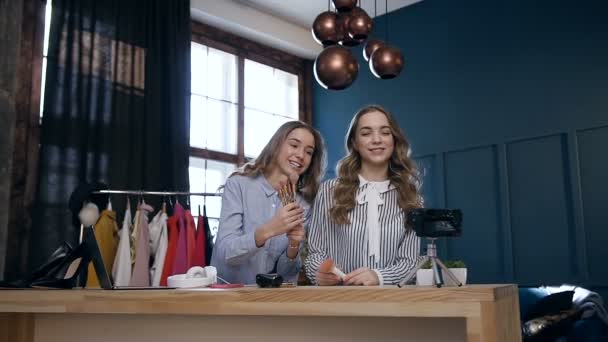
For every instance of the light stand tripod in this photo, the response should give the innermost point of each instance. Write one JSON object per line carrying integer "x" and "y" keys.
{"x": 431, "y": 254}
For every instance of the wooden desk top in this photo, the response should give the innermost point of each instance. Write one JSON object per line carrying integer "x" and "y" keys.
{"x": 385, "y": 301}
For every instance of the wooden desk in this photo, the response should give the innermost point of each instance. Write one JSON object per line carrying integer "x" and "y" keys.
{"x": 483, "y": 313}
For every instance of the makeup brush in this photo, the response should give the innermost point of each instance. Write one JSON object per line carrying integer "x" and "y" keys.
{"x": 293, "y": 180}
{"x": 286, "y": 193}
{"x": 328, "y": 266}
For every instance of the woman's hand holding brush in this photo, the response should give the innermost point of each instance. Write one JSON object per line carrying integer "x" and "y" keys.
{"x": 328, "y": 274}
{"x": 287, "y": 195}
{"x": 287, "y": 218}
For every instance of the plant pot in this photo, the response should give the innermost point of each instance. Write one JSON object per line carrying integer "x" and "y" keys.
{"x": 424, "y": 277}
{"x": 460, "y": 273}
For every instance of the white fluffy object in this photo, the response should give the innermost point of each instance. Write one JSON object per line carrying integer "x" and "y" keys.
{"x": 89, "y": 214}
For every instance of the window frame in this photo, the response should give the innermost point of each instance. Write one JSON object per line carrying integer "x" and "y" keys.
{"x": 244, "y": 48}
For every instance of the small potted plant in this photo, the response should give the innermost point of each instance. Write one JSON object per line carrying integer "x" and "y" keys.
{"x": 424, "y": 276}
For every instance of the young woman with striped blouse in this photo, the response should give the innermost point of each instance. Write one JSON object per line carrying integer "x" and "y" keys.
{"x": 359, "y": 219}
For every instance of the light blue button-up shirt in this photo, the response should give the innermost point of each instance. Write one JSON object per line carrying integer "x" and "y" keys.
{"x": 247, "y": 204}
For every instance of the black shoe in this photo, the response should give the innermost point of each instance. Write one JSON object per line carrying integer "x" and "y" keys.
{"x": 45, "y": 269}
{"x": 55, "y": 260}
{"x": 65, "y": 275}
{"x": 72, "y": 271}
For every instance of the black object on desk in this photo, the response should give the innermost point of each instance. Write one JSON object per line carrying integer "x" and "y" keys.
{"x": 269, "y": 280}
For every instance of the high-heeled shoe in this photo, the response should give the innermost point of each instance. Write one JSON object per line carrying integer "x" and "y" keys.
{"x": 54, "y": 260}
{"x": 65, "y": 276}
{"x": 73, "y": 269}
{"x": 49, "y": 265}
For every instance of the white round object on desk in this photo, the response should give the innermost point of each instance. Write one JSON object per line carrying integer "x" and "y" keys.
{"x": 196, "y": 272}
{"x": 195, "y": 277}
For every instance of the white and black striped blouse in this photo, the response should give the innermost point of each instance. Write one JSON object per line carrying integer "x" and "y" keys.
{"x": 347, "y": 244}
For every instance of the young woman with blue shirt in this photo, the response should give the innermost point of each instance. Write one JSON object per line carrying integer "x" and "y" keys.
{"x": 256, "y": 233}
{"x": 359, "y": 219}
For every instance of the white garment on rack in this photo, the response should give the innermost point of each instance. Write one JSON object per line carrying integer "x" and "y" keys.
{"x": 121, "y": 270}
{"x": 159, "y": 241}
{"x": 154, "y": 230}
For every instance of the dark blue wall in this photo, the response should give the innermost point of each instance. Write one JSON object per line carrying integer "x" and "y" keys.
{"x": 506, "y": 106}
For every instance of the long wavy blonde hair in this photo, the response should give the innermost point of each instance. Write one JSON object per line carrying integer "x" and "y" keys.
{"x": 308, "y": 183}
{"x": 402, "y": 171}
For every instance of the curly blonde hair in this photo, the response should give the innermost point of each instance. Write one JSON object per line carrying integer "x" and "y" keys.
{"x": 309, "y": 181}
{"x": 402, "y": 171}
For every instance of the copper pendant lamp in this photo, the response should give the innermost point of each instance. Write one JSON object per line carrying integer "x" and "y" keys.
{"x": 360, "y": 24}
{"x": 343, "y": 6}
{"x": 336, "y": 68}
{"x": 371, "y": 46}
{"x": 325, "y": 28}
{"x": 386, "y": 62}
{"x": 344, "y": 37}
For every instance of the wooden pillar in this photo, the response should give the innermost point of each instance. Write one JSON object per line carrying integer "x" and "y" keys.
{"x": 16, "y": 327}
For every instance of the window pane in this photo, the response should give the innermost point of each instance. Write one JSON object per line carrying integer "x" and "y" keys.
{"x": 287, "y": 89}
{"x": 216, "y": 175}
{"x": 198, "y": 72}
{"x": 259, "y": 128}
{"x": 271, "y": 90}
{"x": 222, "y": 76}
{"x": 213, "y": 73}
{"x": 213, "y": 124}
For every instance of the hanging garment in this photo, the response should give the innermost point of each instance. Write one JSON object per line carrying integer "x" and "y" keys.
{"x": 180, "y": 264}
{"x": 121, "y": 272}
{"x": 134, "y": 234}
{"x": 190, "y": 237}
{"x": 141, "y": 271}
{"x": 208, "y": 237}
{"x": 106, "y": 234}
{"x": 200, "y": 246}
{"x": 154, "y": 231}
{"x": 158, "y": 246}
{"x": 171, "y": 250}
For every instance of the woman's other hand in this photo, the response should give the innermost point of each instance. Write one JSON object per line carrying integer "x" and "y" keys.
{"x": 296, "y": 235}
{"x": 362, "y": 276}
{"x": 327, "y": 279}
{"x": 294, "y": 238}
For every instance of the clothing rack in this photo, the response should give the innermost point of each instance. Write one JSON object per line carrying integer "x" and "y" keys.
{"x": 158, "y": 193}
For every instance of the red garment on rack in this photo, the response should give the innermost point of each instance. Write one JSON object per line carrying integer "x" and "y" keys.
{"x": 190, "y": 238}
{"x": 199, "y": 251}
{"x": 180, "y": 264}
{"x": 171, "y": 250}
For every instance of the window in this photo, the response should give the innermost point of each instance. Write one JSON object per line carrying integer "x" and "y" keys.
{"x": 271, "y": 99}
{"x": 213, "y": 104}
{"x": 241, "y": 93}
